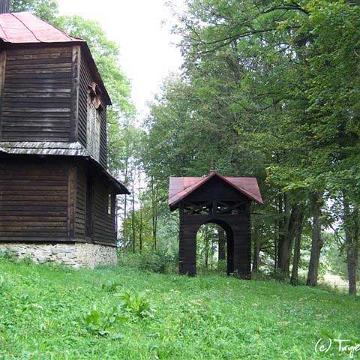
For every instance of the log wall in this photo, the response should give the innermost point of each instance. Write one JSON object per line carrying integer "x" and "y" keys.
{"x": 80, "y": 212}
{"x": 46, "y": 201}
{"x": 85, "y": 80}
{"x": 93, "y": 223}
{"x": 104, "y": 231}
{"x": 36, "y": 201}
{"x": 37, "y": 90}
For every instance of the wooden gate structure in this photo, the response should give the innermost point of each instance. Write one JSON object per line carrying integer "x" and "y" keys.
{"x": 224, "y": 201}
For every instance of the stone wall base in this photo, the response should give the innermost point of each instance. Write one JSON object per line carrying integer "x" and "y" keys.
{"x": 76, "y": 255}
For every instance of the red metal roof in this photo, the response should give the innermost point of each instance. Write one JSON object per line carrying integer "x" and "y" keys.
{"x": 26, "y": 28}
{"x": 181, "y": 187}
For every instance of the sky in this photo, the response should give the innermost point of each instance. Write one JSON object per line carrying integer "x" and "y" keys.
{"x": 141, "y": 28}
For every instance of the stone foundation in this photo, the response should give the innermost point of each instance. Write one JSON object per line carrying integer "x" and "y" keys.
{"x": 76, "y": 255}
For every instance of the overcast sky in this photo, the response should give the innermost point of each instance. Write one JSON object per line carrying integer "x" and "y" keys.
{"x": 137, "y": 26}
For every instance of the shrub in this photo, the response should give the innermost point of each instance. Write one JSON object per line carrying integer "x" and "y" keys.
{"x": 158, "y": 261}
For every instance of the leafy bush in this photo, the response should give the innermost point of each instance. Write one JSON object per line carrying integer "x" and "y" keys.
{"x": 158, "y": 261}
{"x": 101, "y": 322}
{"x": 136, "y": 304}
{"x": 130, "y": 305}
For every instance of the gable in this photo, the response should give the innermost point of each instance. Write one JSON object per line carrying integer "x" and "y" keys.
{"x": 215, "y": 189}
{"x": 212, "y": 186}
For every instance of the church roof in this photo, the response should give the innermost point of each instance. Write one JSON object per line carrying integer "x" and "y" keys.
{"x": 181, "y": 187}
{"x": 24, "y": 28}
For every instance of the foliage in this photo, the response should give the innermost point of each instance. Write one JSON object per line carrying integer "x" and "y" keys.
{"x": 101, "y": 322}
{"x": 45, "y": 9}
{"x": 52, "y": 312}
{"x": 136, "y": 304}
{"x": 158, "y": 261}
{"x": 268, "y": 89}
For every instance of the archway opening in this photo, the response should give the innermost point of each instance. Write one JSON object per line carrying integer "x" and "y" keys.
{"x": 215, "y": 248}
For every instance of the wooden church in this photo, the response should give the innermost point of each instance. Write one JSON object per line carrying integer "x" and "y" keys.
{"x": 57, "y": 199}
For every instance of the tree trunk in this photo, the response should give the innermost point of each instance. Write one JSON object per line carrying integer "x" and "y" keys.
{"x": 294, "y": 280}
{"x": 317, "y": 241}
{"x": 206, "y": 239}
{"x": 222, "y": 241}
{"x": 256, "y": 259}
{"x": 133, "y": 217}
{"x": 280, "y": 228}
{"x": 154, "y": 207}
{"x": 288, "y": 240}
{"x": 125, "y": 203}
{"x": 141, "y": 231}
{"x": 351, "y": 222}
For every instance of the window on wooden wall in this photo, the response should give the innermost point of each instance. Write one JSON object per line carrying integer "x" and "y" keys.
{"x": 110, "y": 204}
{"x": 94, "y": 108}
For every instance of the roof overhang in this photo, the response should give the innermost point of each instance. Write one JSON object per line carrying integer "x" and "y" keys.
{"x": 74, "y": 149}
{"x": 181, "y": 187}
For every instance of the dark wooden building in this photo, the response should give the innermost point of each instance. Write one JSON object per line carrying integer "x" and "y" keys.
{"x": 224, "y": 201}
{"x": 54, "y": 183}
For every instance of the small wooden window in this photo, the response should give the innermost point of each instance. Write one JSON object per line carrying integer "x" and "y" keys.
{"x": 110, "y": 204}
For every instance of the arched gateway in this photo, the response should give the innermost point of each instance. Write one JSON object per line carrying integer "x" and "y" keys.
{"x": 215, "y": 199}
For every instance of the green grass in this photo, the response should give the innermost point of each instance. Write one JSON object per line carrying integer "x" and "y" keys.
{"x": 51, "y": 312}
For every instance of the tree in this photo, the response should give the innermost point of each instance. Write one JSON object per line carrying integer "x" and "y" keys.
{"x": 45, "y": 9}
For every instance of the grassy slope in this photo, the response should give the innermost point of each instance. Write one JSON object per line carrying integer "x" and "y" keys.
{"x": 43, "y": 311}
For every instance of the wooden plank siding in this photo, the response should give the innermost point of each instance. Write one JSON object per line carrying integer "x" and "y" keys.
{"x": 36, "y": 102}
{"x": 93, "y": 188}
{"x": 104, "y": 231}
{"x": 36, "y": 201}
{"x": 80, "y": 210}
{"x": 103, "y": 140}
{"x": 85, "y": 80}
